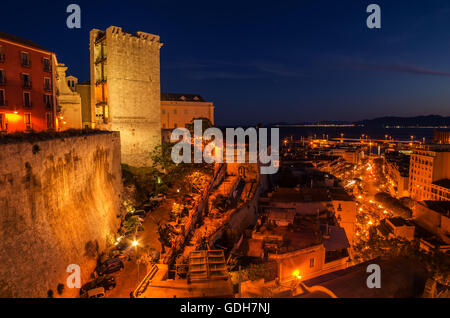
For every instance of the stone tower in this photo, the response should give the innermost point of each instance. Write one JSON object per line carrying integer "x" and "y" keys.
{"x": 125, "y": 90}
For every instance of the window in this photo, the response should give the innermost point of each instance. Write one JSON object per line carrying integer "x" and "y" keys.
{"x": 164, "y": 126}
{"x": 2, "y": 54}
{"x": 175, "y": 111}
{"x": 26, "y": 99}
{"x": 47, "y": 84}
{"x": 311, "y": 262}
{"x": 2, "y": 77}
{"x": 27, "y": 120}
{"x": 46, "y": 64}
{"x": 2, "y": 121}
{"x": 2, "y": 97}
{"x": 175, "y": 125}
{"x": 163, "y": 111}
{"x": 25, "y": 59}
{"x": 49, "y": 120}
{"x": 48, "y": 101}
{"x": 26, "y": 80}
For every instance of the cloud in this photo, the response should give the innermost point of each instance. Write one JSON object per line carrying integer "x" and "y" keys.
{"x": 399, "y": 68}
{"x": 216, "y": 69}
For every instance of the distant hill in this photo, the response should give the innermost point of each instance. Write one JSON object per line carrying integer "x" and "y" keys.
{"x": 422, "y": 121}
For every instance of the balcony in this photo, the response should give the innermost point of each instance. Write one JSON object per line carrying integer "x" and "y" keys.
{"x": 26, "y": 84}
{"x": 27, "y": 104}
{"x": 47, "y": 68}
{"x": 100, "y": 81}
{"x": 47, "y": 88}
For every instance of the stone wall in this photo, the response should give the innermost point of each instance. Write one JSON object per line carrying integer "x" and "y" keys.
{"x": 60, "y": 203}
{"x": 132, "y": 74}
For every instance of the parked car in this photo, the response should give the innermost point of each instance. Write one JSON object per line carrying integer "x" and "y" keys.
{"x": 160, "y": 197}
{"x": 110, "y": 266}
{"x": 96, "y": 293}
{"x": 106, "y": 282}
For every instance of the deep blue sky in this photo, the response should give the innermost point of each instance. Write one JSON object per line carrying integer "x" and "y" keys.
{"x": 271, "y": 61}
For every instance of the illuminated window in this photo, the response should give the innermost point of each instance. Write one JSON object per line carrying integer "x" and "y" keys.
{"x": 27, "y": 120}
{"x": 311, "y": 262}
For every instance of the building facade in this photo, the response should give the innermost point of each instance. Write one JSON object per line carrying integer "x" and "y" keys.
{"x": 396, "y": 169}
{"x": 125, "y": 90}
{"x": 177, "y": 110}
{"x": 429, "y": 173}
{"x": 441, "y": 137}
{"x": 68, "y": 100}
{"x": 27, "y": 90}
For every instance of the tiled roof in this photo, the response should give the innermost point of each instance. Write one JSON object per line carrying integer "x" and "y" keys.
{"x": 16, "y": 39}
{"x": 182, "y": 97}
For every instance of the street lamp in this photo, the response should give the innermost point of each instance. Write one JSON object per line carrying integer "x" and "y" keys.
{"x": 135, "y": 245}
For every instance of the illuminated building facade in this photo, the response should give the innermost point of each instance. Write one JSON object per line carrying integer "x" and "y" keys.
{"x": 27, "y": 92}
{"x": 441, "y": 137}
{"x": 429, "y": 174}
{"x": 177, "y": 110}
{"x": 125, "y": 90}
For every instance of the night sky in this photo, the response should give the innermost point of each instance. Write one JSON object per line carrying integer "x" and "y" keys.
{"x": 274, "y": 61}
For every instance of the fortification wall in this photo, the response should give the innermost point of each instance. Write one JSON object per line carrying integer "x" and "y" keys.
{"x": 133, "y": 79}
{"x": 60, "y": 203}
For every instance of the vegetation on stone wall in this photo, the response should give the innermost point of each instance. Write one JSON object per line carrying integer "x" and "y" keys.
{"x": 31, "y": 137}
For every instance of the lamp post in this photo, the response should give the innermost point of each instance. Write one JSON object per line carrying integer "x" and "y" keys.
{"x": 135, "y": 245}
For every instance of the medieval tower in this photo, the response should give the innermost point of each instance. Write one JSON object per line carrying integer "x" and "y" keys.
{"x": 125, "y": 90}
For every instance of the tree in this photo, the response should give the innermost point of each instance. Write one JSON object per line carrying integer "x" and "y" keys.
{"x": 206, "y": 123}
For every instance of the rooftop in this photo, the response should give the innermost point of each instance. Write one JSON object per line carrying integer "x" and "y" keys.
{"x": 182, "y": 97}
{"x": 300, "y": 195}
{"x": 442, "y": 207}
{"x": 445, "y": 183}
{"x": 337, "y": 239}
{"x": 16, "y": 39}
{"x": 398, "y": 221}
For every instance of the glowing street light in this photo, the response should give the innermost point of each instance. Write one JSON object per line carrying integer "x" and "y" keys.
{"x": 296, "y": 274}
{"x": 134, "y": 243}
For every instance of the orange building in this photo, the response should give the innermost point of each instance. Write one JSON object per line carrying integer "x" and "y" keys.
{"x": 27, "y": 90}
{"x": 429, "y": 174}
{"x": 177, "y": 110}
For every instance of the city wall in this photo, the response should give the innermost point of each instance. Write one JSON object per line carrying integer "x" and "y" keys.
{"x": 59, "y": 204}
